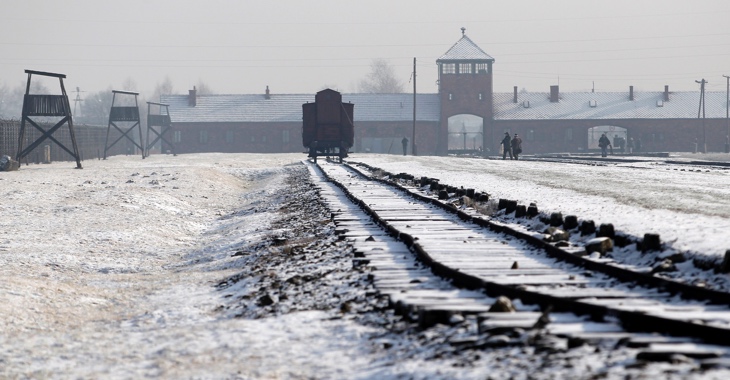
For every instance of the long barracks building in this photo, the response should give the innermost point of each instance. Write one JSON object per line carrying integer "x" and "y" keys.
{"x": 464, "y": 116}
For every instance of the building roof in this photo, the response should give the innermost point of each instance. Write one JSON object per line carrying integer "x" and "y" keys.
{"x": 288, "y": 107}
{"x": 465, "y": 50}
{"x": 607, "y": 105}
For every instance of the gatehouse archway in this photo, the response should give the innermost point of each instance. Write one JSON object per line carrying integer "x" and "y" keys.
{"x": 465, "y": 133}
{"x": 614, "y": 134}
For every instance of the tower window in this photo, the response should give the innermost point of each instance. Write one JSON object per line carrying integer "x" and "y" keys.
{"x": 482, "y": 68}
{"x": 465, "y": 68}
{"x": 448, "y": 68}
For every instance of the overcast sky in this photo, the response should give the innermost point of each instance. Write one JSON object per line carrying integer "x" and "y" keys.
{"x": 296, "y": 46}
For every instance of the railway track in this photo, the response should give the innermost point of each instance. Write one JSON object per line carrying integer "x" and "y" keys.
{"x": 662, "y": 161}
{"x": 438, "y": 264}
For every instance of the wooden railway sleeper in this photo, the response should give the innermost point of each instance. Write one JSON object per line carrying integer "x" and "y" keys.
{"x": 631, "y": 320}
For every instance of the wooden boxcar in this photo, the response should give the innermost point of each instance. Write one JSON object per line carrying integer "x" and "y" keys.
{"x": 327, "y": 128}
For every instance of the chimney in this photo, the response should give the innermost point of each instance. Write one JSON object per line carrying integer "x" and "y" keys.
{"x": 554, "y": 94}
{"x": 192, "y": 97}
{"x": 666, "y": 93}
{"x": 514, "y": 98}
{"x": 631, "y": 93}
{"x": 268, "y": 95}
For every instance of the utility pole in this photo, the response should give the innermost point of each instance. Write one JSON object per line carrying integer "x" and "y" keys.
{"x": 727, "y": 114}
{"x": 463, "y": 131}
{"x": 413, "y": 136}
{"x": 702, "y": 109}
{"x": 78, "y": 99}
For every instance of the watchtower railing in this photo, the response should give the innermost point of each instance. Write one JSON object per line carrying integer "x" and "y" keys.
{"x": 124, "y": 114}
{"x": 163, "y": 121}
{"x": 45, "y": 105}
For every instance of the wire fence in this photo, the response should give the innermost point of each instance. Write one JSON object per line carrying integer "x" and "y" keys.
{"x": 89, "y": 139}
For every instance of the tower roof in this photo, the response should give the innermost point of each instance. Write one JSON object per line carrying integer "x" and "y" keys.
{"x": 465, "y": 50}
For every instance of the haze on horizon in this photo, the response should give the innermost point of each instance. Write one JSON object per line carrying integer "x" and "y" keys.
{"x": 292, "y": 46}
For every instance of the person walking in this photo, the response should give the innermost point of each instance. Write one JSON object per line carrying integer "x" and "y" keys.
{"x": 506, "y": 146}
{"x": 621, "y": 144}
{"x": 604, "y": 143}
{"x": 405, "y": 145}
{"x": 516, "y": 146}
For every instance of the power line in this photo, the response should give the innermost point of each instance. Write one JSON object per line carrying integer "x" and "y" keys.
{"x": 672, "y": 37}
{"x": 427, "y": 22}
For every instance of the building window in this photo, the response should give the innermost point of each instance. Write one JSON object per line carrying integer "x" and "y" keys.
{"x": 176, "y": 137}
{"x": 285, "y": 136}
{"x": 481, "y": 96}
{"x": 203, "y": 137}
{"x": 661, "y": 137}
{"x": 263, "y": 139}
{"x": 482, "y": 68}
{"x": 451, "y": 96}
{"x": 448, "y": 68}
{"x": 569, "y": 134}
{"x": 253, "y": 138}
{"x": 530, "y": 135}
{"x": 465, "y": 68}
{"x": 229, "y": 137}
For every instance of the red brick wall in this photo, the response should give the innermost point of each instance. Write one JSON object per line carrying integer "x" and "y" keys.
{"x": 426, "y": 133}
{"x": 246, "y": 137}
{"x": 465, "y": 90}
{"x": 664, "y": 135}
{"x": 249, "y": 137}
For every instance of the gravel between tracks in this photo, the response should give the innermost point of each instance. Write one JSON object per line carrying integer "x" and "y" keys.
{"x": 218, "y": 266}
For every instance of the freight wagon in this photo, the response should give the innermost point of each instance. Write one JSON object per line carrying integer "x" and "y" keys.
{"x": 327, "y": 128}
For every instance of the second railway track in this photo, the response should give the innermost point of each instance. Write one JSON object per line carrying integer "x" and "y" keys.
{"x": 408, "y": 240}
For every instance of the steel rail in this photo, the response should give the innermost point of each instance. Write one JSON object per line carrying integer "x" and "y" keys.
{"x": 622, "y": 274}
{"x": 631, "y": 320}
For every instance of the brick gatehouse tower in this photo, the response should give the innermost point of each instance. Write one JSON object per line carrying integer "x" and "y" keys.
{"x": 465, "y": 94}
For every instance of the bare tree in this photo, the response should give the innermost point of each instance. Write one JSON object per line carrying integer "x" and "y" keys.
{"x": 11, "y": 99}
{"x": 163, "y": 88}
{"x": 381, "y": 79}
{"x": 4, "y": 101}
{"x": 203, "y": 89}
{"x": 129, "y": 84}
{"x": 96, "y": 108}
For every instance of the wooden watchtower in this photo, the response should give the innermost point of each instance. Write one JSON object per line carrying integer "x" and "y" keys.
{"x": 129, "y": 116}
{"x": 161, "y": 120}
{"x": 46, "y": 106}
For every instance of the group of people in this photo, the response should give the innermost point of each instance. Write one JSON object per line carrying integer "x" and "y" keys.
{"x": 605, "y": 144}
{"x": 511, "y": 146}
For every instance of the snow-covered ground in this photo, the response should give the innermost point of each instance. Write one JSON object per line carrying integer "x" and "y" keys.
{"x": 688, "y": 206}
{"x": 165, "y": 267}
